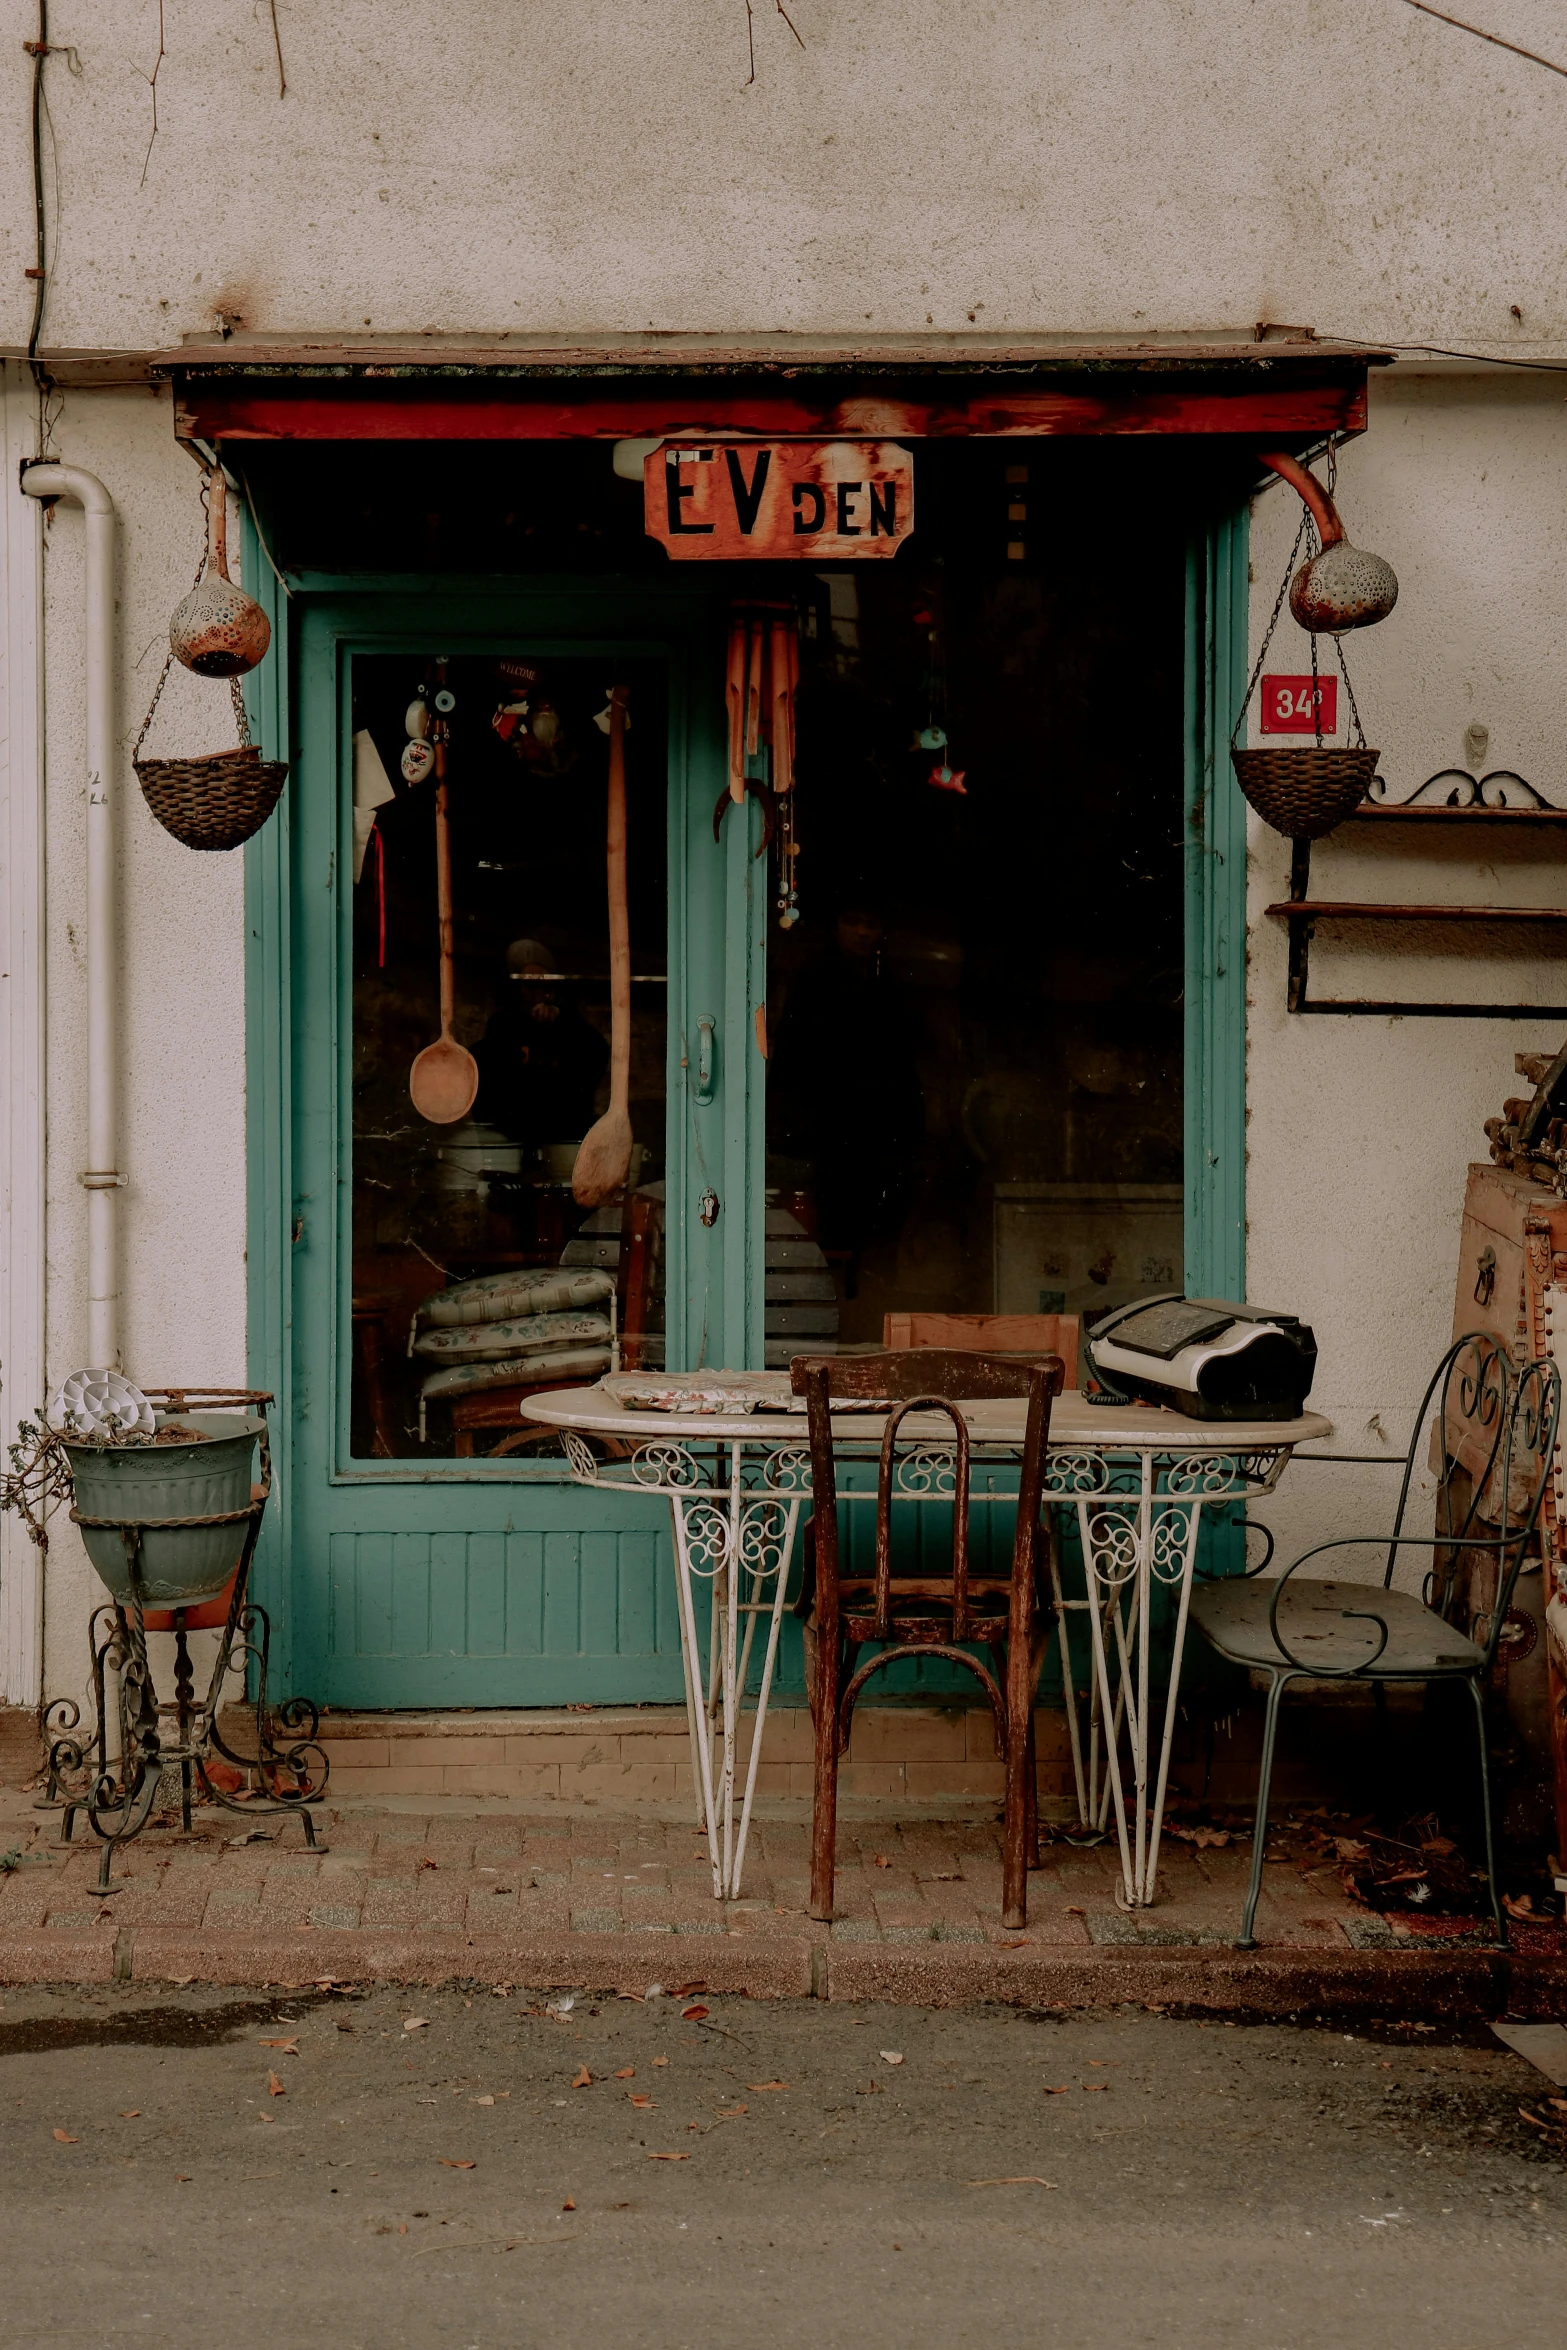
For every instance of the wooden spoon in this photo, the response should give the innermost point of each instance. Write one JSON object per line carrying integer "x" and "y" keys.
{"x": 445, "y": 1076}
{"x": 604, "y": 1159}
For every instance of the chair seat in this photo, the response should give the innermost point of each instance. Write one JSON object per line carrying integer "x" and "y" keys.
{"x": 1314, "y": 1619}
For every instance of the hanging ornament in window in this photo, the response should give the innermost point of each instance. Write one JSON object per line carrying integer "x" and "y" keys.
{"x": 762, "y": 677}
{"x": 932, "y": 736}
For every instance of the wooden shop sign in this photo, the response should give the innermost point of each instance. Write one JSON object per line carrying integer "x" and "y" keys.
{"x": 759, "y": 501}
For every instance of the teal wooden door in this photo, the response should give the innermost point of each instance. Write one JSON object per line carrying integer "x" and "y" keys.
{"x": 421, "y": 1582}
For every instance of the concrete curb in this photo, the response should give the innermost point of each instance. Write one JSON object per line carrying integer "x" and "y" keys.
{"x": 1280, "y": 1982}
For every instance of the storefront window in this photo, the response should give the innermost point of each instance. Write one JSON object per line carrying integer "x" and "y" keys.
{"x": 975, "y": 1024}
{"x": 475, "y": 1273}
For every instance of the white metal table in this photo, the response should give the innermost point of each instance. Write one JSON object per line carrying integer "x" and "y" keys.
{"x": 1136, "y": 1478}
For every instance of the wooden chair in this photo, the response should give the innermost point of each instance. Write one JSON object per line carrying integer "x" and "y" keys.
{"x": 947, "y": 1615}
{"x": 989, "y": 1334}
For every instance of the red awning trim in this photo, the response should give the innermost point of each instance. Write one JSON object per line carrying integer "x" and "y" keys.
{"x": 1268, "y": 397}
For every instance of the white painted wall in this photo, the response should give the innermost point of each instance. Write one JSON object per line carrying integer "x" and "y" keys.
{"x": 1130, "y": 166}
{"x": 182, "y": 992}
{"x": 1361, "y": 1129}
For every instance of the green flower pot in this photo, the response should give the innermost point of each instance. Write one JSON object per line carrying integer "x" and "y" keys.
{"x": 134, "y": 1483}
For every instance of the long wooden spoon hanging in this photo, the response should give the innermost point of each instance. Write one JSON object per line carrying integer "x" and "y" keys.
{"x": 445, "y": 1076}
{"x": 604, "y": 1159}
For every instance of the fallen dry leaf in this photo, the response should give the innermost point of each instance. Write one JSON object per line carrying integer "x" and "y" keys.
{"x": 289, "y": 2047}
{"x": 64, "y": 2138}
{"x": 275, "y": 2087}
{"x": 760, "y": 2086}
{"x": 1022, "y": 2180}
{"x": 1557, "y": 2104}
{"x": 627, "y": 2072}
{"x": 427, "y": 1864}
{"x": 131, "y": 2113}
{"x": 1203, "y": 1838}
{"x": 669, "y": 2158}
{"x": 660, "y": 2060}
{"x": 693, "y": 2015}
{"x": 1519, "y": 1905}
{"x": 1101, "y": 2088}
{"x": 570, "y": 2203}
{"x": 1053, "y": 2092}
{"x": 182, "y": 2178}
{"x": 484, "y": 2101}
{"x": 583, "y": 2078}
{"x": 889, "y": 2056}
{"x": 642, "y": 2103}
{"x": 732, "y": 2113}
{"x": 1524, "y": 2114}
{"x": 881, "y": 1861}
{"x": 415, "y": 2023}
{"x": 1077, "y": 1913}
{"x": 1023, "y": 1945}
{"x": 449, "y": 2162}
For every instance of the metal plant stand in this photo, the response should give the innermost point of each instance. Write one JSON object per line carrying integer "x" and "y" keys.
{"x": 112, "y": 1771}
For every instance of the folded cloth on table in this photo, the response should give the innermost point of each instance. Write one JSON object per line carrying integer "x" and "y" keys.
{"x": 525, "y": 1334}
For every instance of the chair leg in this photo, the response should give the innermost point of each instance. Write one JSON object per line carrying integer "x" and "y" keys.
{"x": 1478, "y": 1694}
{"x": 1019, "y": 1818}
{"x": 1248, "y": 1940}
{"x": 1031, "y": 1799}
{"x": 824, "y": 1803}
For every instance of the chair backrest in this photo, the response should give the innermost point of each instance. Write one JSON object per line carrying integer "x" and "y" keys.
{"x": 1487, "y": 1426}
{"x": 997, "y": 1334}
{"x": 924, "y": 1380}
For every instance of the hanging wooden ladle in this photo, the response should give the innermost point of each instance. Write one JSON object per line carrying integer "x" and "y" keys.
{"x": 218, "y": 630}
{"x": 1341, "y": 587}
{"x": 604, "y": 1157}
{"x": 445, "y": 1076}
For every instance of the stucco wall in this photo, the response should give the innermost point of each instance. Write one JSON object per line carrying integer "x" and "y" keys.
{"x": 1361, "y": 1129}
{"x": 182, "y": 981}
{"x": 1137, "y": 165}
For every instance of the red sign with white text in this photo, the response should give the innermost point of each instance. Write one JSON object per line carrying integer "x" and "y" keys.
{"x": 723, "y": 501}
{"x": 1286, "y": 705}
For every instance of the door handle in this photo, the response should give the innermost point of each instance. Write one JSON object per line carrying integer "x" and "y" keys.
{"x": 706, "y": 1049}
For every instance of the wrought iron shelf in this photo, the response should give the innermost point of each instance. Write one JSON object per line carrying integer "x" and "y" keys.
{"x": 1383, "y": 812}
{"x": 1364, "y": 910}
{"x": 1303, "y": 912}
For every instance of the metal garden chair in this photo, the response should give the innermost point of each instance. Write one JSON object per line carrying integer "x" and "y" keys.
{"x": 950, "y": 1612}
{"x": 1487, "y": 1428}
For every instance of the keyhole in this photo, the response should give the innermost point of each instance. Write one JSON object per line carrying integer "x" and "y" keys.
{"x": 707, "y": 1207}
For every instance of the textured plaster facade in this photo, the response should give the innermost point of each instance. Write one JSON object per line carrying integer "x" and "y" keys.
{"x": 1118, "y": 172}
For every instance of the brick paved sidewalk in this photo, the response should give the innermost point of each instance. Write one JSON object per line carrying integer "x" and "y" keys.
{"x": 520, "y": 1875}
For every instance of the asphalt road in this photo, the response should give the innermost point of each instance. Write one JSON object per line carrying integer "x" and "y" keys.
{"x": 321, "y": 2168}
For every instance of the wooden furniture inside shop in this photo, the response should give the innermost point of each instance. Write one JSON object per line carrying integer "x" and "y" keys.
{"x": 989, "y": 1334}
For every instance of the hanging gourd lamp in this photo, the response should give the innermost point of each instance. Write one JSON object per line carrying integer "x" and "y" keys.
{"x": 214, "y": 799}
{"x": 1341, "y": 587}
{"x": 1304, "y": 790}
{"x": 218, "y": 630}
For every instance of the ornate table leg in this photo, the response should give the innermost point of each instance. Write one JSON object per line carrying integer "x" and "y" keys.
{"x": 1129, "y": 1547}
{"x": 737, "y": 1542}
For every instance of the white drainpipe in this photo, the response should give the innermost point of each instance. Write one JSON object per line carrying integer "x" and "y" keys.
{"x": 101, "y": 1176}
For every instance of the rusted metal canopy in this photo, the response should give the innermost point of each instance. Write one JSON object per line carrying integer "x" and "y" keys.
{"x": 653, "y": 387}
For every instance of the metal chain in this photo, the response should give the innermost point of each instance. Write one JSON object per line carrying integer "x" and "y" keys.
{"x": 1278, "y": 606}
{"x": 163, "y": 679}
{"x": 1360, "y": 732}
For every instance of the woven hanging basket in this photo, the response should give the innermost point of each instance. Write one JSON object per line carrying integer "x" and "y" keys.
{"x": 1307, "y": 789}
{"x": 217, "y": 799}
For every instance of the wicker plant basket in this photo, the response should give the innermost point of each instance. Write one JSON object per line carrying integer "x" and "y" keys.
{"x": 1307, "y": 789}
{"x": 217, "y": 799}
